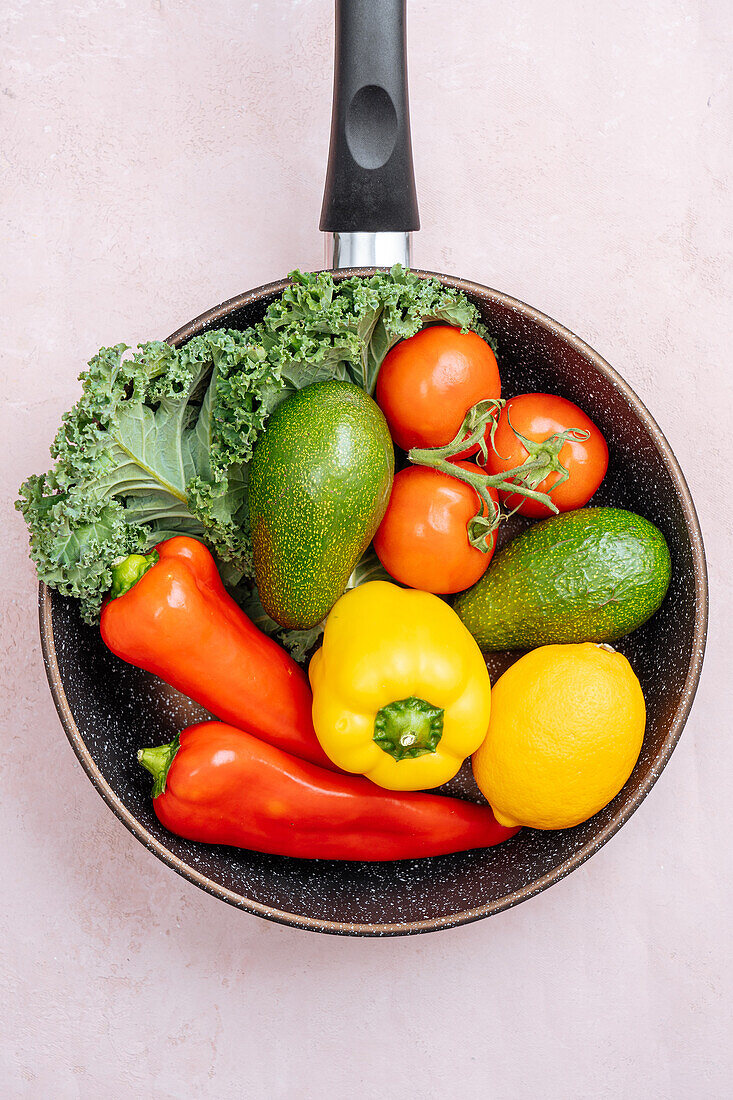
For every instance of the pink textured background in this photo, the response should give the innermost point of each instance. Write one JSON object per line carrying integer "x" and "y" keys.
{"x": 161, "y": 155}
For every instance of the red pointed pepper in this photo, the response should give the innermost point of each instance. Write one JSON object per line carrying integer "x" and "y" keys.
{"x": 221, "y": 785}
{"x": 170, "y": 614}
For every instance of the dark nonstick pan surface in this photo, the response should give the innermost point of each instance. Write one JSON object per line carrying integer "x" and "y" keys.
{"x": 110, "y": 709}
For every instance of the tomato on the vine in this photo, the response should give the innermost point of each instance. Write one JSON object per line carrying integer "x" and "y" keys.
{"x": 427, "y": 384}
{"x": 537, "y": 416}
{"x": 423, "y": 539}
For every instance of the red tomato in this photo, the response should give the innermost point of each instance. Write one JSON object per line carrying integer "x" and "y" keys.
{"x": 538, "y": 416}
{"x": 427, "y": 384}
{"x": 422, "y": 540}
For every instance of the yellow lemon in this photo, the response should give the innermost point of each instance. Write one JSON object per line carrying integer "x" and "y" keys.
{"x": 566, "y": 727}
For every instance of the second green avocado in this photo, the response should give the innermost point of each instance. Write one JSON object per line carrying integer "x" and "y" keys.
{"x": 319, "y": 485}
{"x": 592, "y": 575}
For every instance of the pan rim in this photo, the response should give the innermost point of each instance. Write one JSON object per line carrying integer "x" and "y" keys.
{"x": 208, "y": 320}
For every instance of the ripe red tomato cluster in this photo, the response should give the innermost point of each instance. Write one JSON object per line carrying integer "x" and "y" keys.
{"x": 425, "y": 388}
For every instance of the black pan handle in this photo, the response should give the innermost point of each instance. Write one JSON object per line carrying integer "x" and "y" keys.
{"x": 370, "y": 181}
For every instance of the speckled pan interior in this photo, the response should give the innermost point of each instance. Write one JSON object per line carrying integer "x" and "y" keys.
{"x": 110, "y": 709}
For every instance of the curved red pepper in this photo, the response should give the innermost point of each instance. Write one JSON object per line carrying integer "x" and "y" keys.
{"x": 220, "y": 785}
{"x": 178, "y": 622}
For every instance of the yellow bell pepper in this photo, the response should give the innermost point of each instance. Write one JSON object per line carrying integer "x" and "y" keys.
{"x": 401, "y": 692}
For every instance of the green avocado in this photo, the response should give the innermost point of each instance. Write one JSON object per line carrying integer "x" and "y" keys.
{"x": 592, "y": 575}
{"x": 319, "y": 484}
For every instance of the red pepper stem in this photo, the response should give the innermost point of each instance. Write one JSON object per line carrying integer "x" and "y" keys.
{"x": 129, "y": 571}
{"x": 158, "y": 759}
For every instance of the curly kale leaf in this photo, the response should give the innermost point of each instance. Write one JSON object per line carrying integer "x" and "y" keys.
{"x": 322, "y": 329}
{"x": 75, "y": 539}
{"x": 134, "y": 466}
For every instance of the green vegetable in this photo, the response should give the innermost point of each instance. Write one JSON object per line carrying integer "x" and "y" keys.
{"x": 160, "y": 441}
{"x": 320, "y": 480}
{"x": 134, "y": 465}
{"x": 592, "y": 575}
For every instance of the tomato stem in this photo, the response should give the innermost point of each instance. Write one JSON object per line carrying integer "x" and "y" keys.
{"x": 542, "y": 460}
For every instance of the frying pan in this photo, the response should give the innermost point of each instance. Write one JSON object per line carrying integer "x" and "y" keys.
{"x": 110, "y": 709}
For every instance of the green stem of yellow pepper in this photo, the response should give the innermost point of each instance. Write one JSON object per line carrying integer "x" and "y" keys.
{"x": 408, "y": 728}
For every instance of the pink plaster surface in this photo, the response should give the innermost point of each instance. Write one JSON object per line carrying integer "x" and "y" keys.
{"x": 159, "y": 156}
